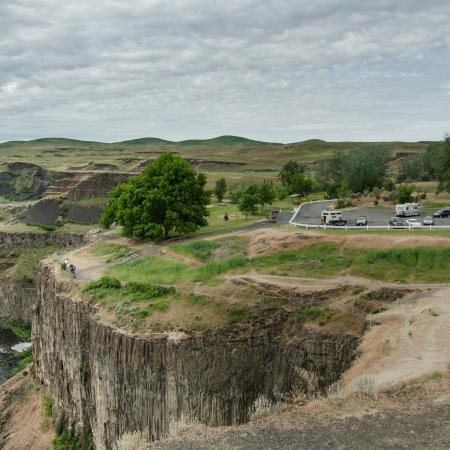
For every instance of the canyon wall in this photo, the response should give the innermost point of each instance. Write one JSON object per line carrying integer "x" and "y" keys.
{"x": 34, "y": 239}
{"x": 113, "y": 382}
{"x": 16, "y": 300}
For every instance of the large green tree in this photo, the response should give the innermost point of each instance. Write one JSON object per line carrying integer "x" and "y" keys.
{"x": 289, "y": 171}
{"x": 168, "y": 197}
{"x": 220, "y": 189}
{"x": 363, "y": 169}
{"x": 267, "y": 193}
{"x": 442, "y": 165}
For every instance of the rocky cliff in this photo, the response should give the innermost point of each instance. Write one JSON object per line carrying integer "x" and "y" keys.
{"x": 29, "y": 239}
{"x": 114, "y": 382}
{"x": 16, "y": 301}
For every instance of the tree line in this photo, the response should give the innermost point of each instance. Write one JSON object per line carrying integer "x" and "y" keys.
{"x": 169, "y": 197}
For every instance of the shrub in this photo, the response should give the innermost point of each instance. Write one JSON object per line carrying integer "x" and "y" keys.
{"x": 103, "y": 283}
{"x": 237, "y": 313}
{"x": 47, "y": 406}
{"x": 69, "y": 441}
{"x": 196, "y": 299}
{"x": 157, "y": 305}
{"x": 314, "y": 314}
{"x": 142, "y": 291}
{"x": 132, "y": 441}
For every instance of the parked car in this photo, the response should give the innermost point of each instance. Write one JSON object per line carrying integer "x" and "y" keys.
{"x": 413, "y": 223}
{"x": 337, "y": 222}
{"x": 429, "y": 220}
{"x": 361, "y": 221}
{"x": 444, "y": 212}
{"x": 396, "y": 222}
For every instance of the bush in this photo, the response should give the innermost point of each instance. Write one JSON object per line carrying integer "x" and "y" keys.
{"x": 142, "y": 291}
{"x": 69, "y": 441}
{"x": 157, "y": 305}
{"x": 237, "y": 313}
{"x": 132, "y": 441}
{"x": 314, "y": 314}
{"x": 196, "y": 299}
{"x": 103, "y": 283}
{"x": 405, "y": 193}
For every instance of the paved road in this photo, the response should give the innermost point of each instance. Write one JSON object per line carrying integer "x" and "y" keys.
{"x": 416, "y": 430}
{"x": 310, "y": 214}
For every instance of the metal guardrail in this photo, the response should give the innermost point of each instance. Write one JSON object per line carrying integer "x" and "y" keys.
{"x": 292, "y": 221}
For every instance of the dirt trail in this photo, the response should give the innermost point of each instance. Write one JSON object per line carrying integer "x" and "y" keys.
{"x": 22, "y": 422}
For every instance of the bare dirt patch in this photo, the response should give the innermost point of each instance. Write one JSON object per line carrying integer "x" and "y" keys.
{"x": 412, "y": 339}
{"x": 22, "y": 422}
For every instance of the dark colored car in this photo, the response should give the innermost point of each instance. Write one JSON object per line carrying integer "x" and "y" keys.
{"x": 444, "y": 212}
{"x": 361, "y": 221}
{"x": 397, "y": 222}
{"x": 337, "y": 222}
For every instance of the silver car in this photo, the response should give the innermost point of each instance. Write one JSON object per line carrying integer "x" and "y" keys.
{"x": 429, "y": 220}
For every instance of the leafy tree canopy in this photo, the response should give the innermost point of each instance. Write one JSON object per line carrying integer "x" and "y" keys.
{"x": 267, "y": 193}
{"x": 248, "y": 204}
{"x": 362, "y": 169}
{"x": 405, "y": 193}
{"x": 168, "y": 197}
{"x": 289, "y": 171}
{"x": 442, "y": 165}
{"x": 220, "y": 189}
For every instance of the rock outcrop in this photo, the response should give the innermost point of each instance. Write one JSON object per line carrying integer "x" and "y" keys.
{"x": 29, "y": 239}
{"x": 16, "y": 301}
{"x": 114, "y": 382}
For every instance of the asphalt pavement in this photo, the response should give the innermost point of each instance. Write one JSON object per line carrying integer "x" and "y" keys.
{"x": 376, "y": 215}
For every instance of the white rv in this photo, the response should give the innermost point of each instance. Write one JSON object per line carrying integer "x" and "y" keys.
{"x": 326, "y": 216}
{"x": 408, "y": 209}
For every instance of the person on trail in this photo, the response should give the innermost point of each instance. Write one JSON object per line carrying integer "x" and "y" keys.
{"x": 225, "y": 217}
{"x": 72, "y": 270}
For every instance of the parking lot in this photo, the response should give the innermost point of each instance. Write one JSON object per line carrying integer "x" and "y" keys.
{"x": 310, "y": 214}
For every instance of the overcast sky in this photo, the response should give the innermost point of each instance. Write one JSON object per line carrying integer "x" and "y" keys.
{"x": 282, "y": 71}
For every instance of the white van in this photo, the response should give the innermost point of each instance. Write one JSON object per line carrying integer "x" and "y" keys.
{"x": 326, "y": 216}
{"x": 408, "y": 209}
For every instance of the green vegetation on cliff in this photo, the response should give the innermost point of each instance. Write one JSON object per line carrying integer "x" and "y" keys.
{"x": 22, "y": 263}
{"x": 320, "y": 260}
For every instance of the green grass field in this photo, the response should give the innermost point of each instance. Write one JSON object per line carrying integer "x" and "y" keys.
{"x": 320, "y": 261}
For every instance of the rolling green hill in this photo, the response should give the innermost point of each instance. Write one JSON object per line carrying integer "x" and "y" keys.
{"x": 60, "y": 153}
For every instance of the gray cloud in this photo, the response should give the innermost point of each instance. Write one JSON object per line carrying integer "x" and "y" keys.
{"x": 276, "y": 70}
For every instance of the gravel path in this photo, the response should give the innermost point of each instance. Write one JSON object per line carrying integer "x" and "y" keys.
{"x": 425, "y": 429}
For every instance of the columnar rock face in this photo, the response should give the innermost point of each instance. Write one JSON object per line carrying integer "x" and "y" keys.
{"x": 27, "y": 239}
{"x": 96, "y": 185}
{"x": 116, "y": 383}
{"x": 16, "y": 301}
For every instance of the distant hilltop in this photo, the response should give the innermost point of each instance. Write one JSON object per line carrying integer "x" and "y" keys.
{"x": 152, "y": 141}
